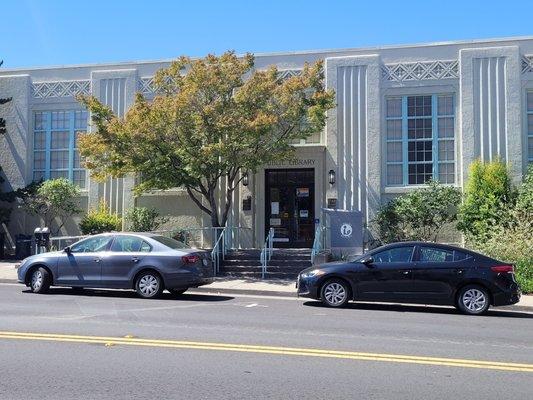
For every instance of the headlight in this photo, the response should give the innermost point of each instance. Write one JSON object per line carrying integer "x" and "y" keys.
{"x": 313, "y": 273}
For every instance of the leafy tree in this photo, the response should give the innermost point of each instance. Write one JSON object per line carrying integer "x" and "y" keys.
{"x": 418, "y": 215}
{"x": 100, "y": 220}
{"x": 213, "y": 119}
{"x": 54, "y": 200}
{"x": 488, "y": 197}
{"x": 142, "y": 219}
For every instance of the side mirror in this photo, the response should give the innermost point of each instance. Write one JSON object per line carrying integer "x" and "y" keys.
{"x": 368, "y": 261}
{"x": 67, "y": 250}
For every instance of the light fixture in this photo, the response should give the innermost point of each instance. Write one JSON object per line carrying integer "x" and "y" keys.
{"x": 245, "y": 179}
{"x": 331, "y": 177}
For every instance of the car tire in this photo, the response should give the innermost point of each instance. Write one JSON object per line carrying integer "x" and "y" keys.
{"x": 473, "y": 300}
{"x": 335, "y": 293}
{"x": 177, "y": 292}
{"x": 40, "y": 280}
{"x": 149, "y": 285}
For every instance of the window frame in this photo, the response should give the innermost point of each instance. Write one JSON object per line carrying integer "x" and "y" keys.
{"x": 130, "y": 252}
{"x": 412, "y": 259}
{"x": 435, "y": 139}
{"x": 529, "y": 134}
{"x": 48, "y": 130}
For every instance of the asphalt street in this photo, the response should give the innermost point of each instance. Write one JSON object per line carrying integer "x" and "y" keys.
{"x": 98, "y": 344}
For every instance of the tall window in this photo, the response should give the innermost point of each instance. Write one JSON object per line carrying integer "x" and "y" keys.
{"x": 55, "y": 150}
{"x": 420, "y": 139}
{"x": 530, "y": 126}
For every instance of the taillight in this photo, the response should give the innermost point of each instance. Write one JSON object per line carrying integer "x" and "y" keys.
{"x": 190, "y": 259}
{"x": 503, "y": 269}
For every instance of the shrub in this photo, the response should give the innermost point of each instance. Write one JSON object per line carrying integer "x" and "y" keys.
{"x": 142, "y": 219}
{"x": 488, "y": 198}
{"x": 100, "y": 221}
{"x": 418, "y": 215}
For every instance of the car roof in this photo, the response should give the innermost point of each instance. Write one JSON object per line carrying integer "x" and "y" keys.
{"x": 422, "y": 243}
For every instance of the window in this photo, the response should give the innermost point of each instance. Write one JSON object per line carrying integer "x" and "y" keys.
{"x": 397, "y": 254}
{"x": 130, "y": 244}
{"x": 433, "y": 254}
{"x": 55, "y": 150}
{"x": 91, "y": 245}
{"x": 530, "y": 126}
{"x": 420, "y": 139}
{"x": 169, "y": 242}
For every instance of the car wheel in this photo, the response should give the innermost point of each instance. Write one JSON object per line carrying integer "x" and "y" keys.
{"x": 40, "y": 280}
{"x": 335, "y": 293}
{"x": 149, "y": 285}
{"x": 177, "y": 292}
{"x": 473, "y": 300}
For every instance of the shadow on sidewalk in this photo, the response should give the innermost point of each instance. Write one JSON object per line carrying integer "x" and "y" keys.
{"x": 130, "y": 294}
{"x": 420, "y": 309}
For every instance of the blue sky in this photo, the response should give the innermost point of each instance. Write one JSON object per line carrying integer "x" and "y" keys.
{"x": 35, "y": 33}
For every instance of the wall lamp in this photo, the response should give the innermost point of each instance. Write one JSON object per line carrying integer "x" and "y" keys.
{"x": 245, "y": 179}
{"x": 331, "y": 177}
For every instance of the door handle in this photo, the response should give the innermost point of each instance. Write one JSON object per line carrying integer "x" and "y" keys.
{"x": 406, "y": 272}
{"x": 97, "y": 260}
{"x": 459, "y": 271}
{"x": 135, "y": 259}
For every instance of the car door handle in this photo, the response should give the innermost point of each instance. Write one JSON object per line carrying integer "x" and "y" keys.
{"x": 135, "y": 259}
{"x": 406, "y": 272}
{"x": 459, "y": 271}
{"x": 97, "y": 260}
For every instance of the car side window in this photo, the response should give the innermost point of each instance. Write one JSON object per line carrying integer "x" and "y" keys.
{"x": 459, "y": 255}
{"x": 145, "y": 247}
{"x": 127, "y": 244}
{"x": 435, "y": 254}
{"x": 396, "y": 254}
{"x": 91, "y": 245}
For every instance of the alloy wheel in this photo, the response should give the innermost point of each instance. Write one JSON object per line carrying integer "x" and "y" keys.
{"x": 335, "y": 293}
{"x": 474, "y": 300}
{"x": 37, "y": 280}
{"x": 149, "y": 285}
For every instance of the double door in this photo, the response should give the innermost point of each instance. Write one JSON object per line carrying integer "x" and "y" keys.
{"x": 289, "y": 207}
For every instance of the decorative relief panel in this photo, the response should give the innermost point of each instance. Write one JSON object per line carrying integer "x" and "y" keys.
{"x": 417, "y": 71}
{"x": 146, "y": 85}
{"x": 527, "y": 64}
{"x": 288, "y": 73}
{"x": 42, "y": 90}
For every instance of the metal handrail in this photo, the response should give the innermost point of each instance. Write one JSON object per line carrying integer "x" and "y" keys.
{"x": 216, "y": 253}
{"x": 317, "y": 243}
{"x": 266, "y": 252}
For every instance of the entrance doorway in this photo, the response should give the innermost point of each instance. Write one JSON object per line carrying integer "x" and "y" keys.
{"x": 290, "y": 206}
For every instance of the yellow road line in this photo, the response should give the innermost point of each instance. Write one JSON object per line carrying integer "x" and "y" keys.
{"x": 324, "y": 353}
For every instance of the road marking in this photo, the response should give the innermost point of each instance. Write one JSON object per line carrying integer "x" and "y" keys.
{"x": 290, "y": 351}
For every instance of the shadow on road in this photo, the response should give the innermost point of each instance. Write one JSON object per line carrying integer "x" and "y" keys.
{"x": 421, "y": 309}
{"x": 128, "y": 294}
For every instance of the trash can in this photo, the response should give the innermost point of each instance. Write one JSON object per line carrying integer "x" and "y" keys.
{"x": 22, "y": 246}
{"x": 2, "y": 245}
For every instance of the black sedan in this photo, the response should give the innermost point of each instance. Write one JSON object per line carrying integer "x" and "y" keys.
{"x": 145, "y": 262}
{"x": 414, "y": 272}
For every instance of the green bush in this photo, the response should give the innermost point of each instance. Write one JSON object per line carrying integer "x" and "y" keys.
{"x": 100, "y": 221}
{"x": 488, "y": 197}
{"x": 419, "y": 215}
{"x": 142, "y": 219}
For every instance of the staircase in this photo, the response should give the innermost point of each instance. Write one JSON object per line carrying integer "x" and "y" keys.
{"x": 285, "y": 263}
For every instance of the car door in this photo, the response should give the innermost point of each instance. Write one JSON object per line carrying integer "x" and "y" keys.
{"x": 82, "y": 265}
{"x": 125, "y": 254}
{"x": 389, "y": 276}
{"x": 437, "y": 272}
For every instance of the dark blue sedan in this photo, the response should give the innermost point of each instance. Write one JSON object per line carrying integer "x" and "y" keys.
{"x": 147, "y": 263}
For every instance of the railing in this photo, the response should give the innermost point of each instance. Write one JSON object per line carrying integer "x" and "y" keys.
{"x": 218, "y": 252}
{"x": 319, "y": 243}
{"x": 266, "y": 252}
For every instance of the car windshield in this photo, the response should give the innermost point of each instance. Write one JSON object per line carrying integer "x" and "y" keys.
{"x": 169, "y": 242}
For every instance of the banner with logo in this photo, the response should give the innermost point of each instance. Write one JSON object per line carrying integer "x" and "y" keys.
{"x": 346, "y": 230}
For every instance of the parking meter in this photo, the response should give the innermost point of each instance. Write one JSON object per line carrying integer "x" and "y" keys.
{"x": 42, "y": 239}
{"x": 46, "y": 238}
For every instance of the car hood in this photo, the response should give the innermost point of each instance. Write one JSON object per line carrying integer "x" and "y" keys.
{"x": 330, "y": 266}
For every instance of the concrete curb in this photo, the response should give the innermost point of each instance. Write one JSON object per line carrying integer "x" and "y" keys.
{"x": 291, "y": 295}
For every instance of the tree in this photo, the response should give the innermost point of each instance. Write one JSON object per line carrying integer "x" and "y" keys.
{"x": 488, "y": 197}
{"x": 213, "y": 120}
{"x": 418, "y": 215}
{"x": 54, "y": 201}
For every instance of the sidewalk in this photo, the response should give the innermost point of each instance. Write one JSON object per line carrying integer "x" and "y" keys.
{"x": 270, "y": 287}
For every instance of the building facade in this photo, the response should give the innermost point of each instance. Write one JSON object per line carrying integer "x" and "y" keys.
{"x": 404, "y": 114}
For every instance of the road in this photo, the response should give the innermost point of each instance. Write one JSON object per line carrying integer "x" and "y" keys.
{"x": 113, "y": 345}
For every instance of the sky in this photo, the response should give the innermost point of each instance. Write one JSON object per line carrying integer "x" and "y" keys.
{"x": 55, "y": 32}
